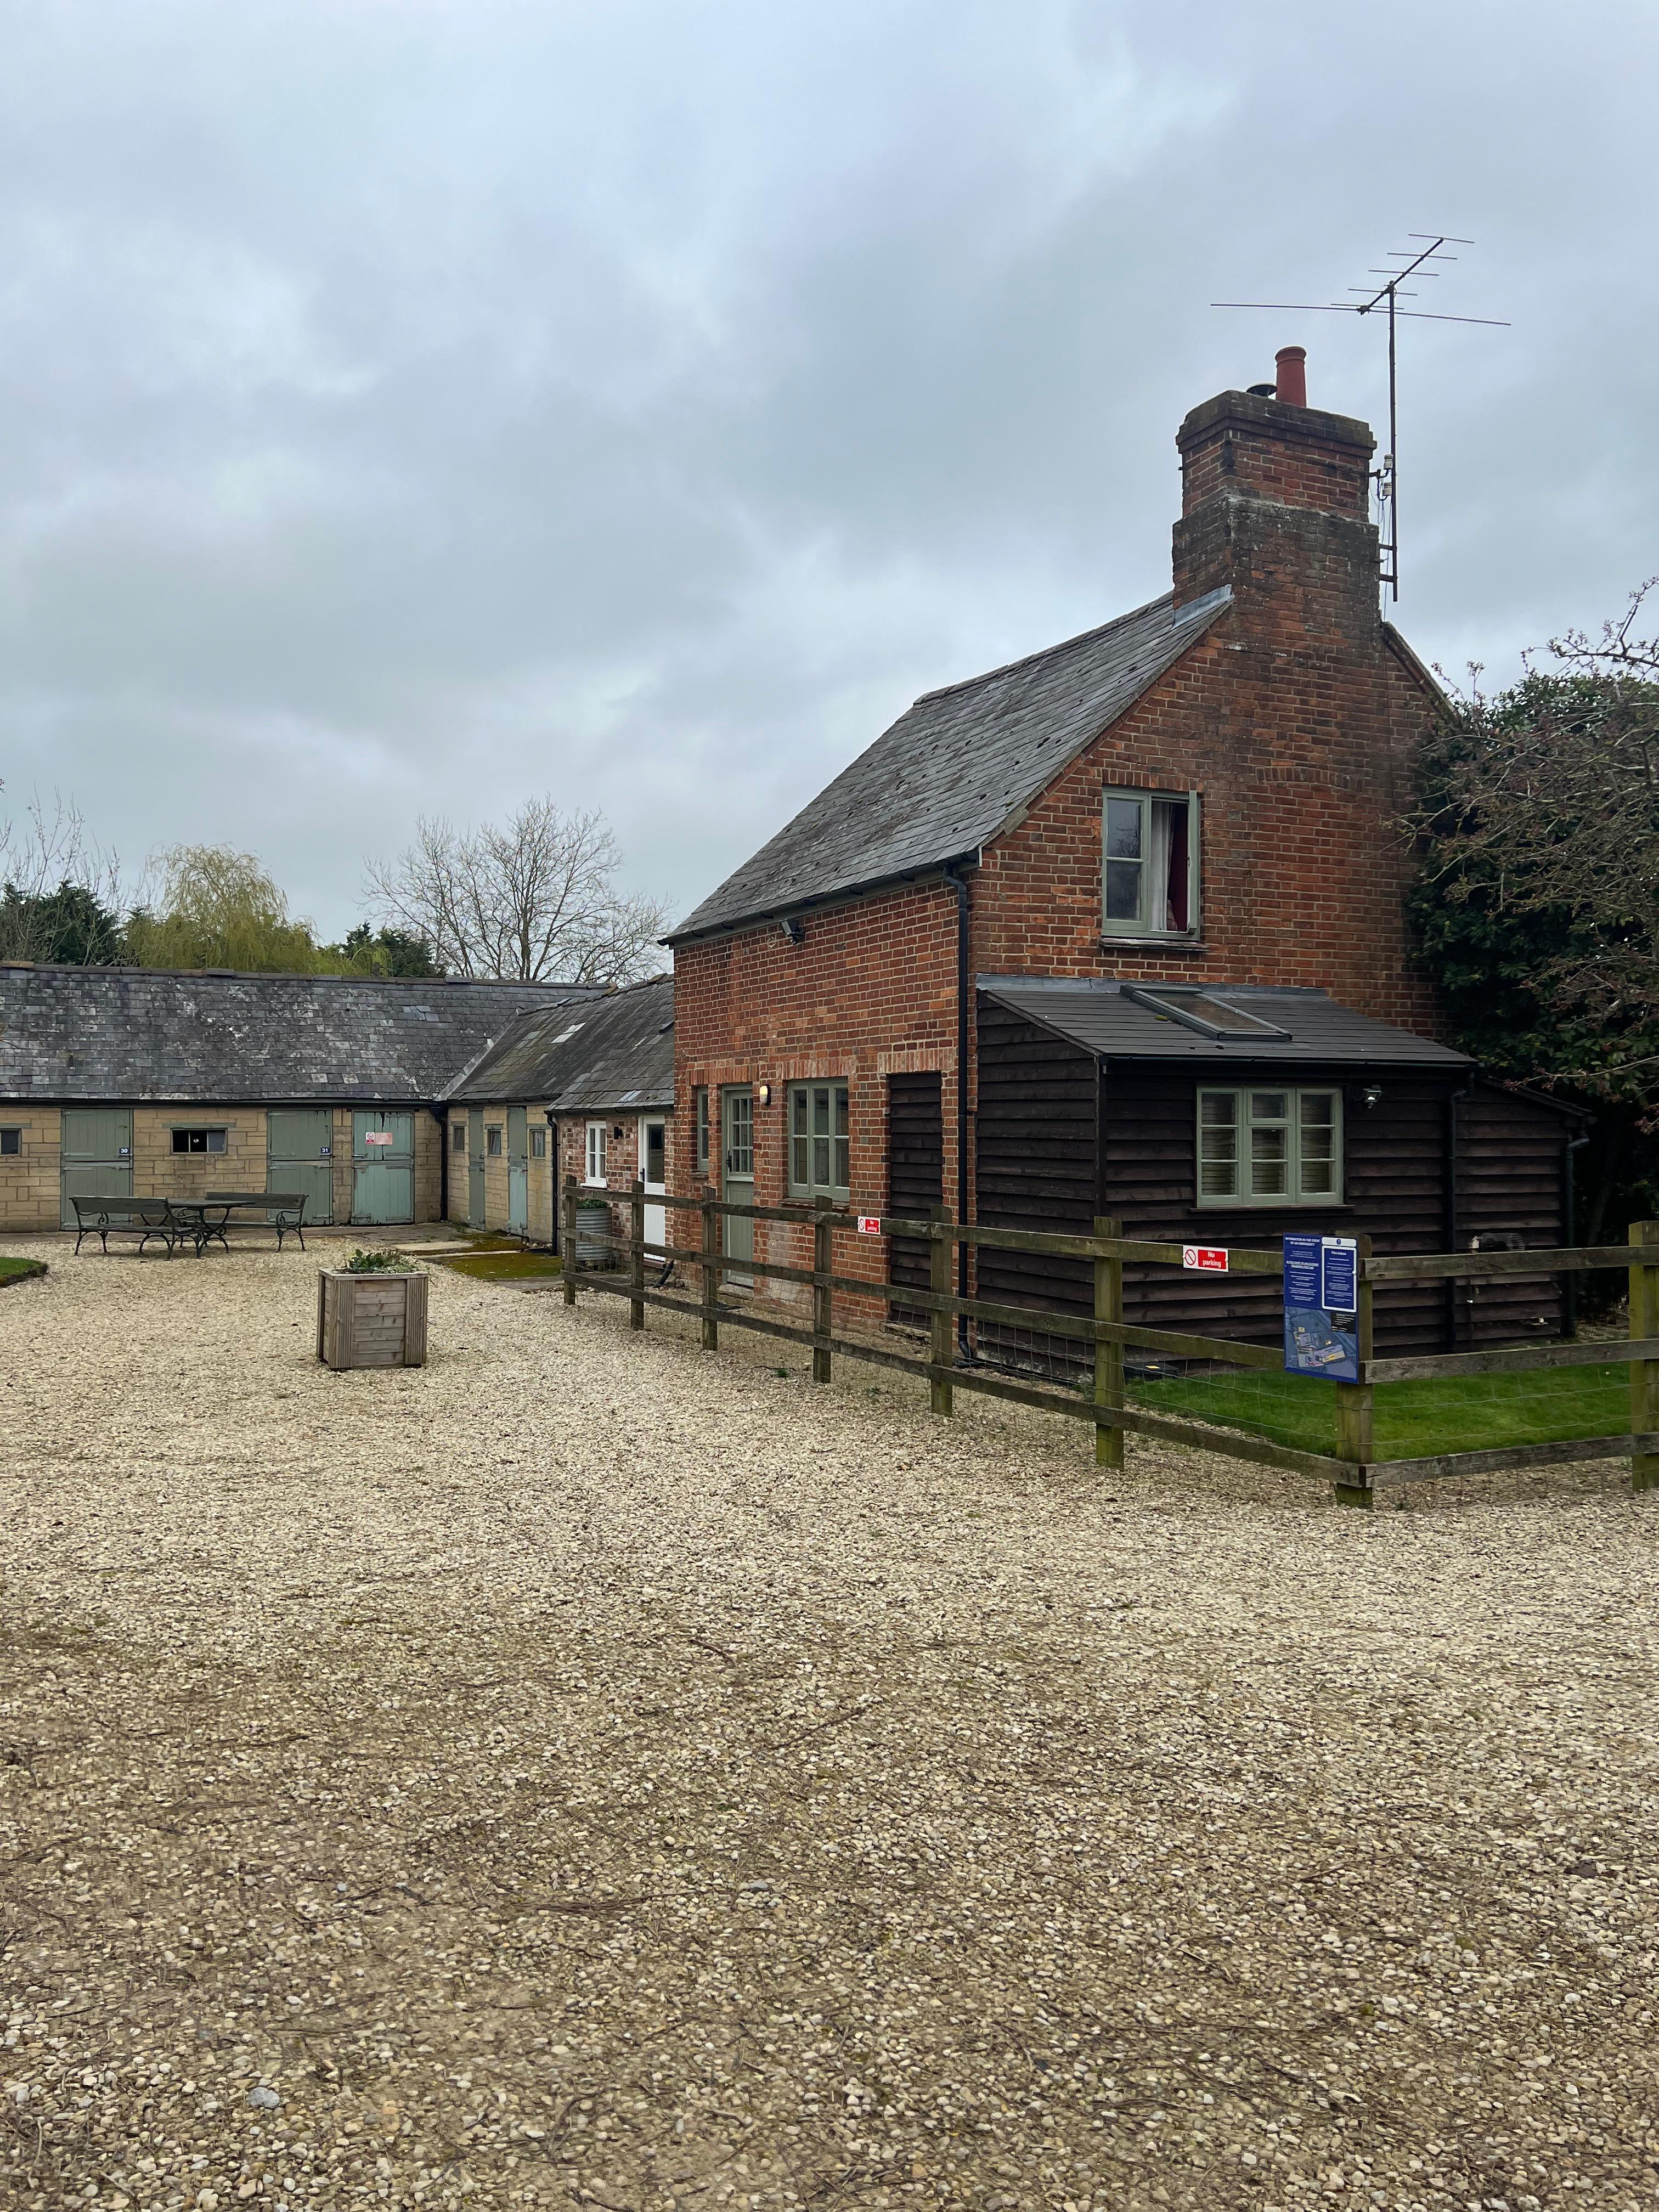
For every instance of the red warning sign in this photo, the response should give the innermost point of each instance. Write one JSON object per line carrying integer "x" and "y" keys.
{"x": 1208, "y": 1259}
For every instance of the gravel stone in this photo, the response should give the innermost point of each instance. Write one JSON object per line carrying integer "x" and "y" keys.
{"x": 520, "y": 1770}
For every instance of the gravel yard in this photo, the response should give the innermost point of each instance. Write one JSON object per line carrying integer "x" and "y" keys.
{"x": 587, "y": 1770}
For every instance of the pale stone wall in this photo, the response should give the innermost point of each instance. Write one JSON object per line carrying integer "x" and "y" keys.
{"x": 30, "y": 1182}
{"x": 159, "y": 1172}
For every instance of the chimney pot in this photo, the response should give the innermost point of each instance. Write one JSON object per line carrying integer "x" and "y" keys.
{"x": 1291, "y": 364}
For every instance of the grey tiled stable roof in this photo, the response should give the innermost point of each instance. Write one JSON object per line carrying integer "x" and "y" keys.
{"x": 1104, "y": 1018}
{"x": 130, "y": 1034}
{"x": 616, "y": 1051}
{"x": 949, "y": 773}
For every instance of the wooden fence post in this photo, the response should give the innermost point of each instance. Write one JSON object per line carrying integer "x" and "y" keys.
{"x": 1355, "y": 1440}
{"x": 1644, "y": 1373}
{"x": 939, "y": 1275}
{"x": 636, "y": 1252}
{"x": 570, "y": 1240}
{"x": 711, "y": 1272}
{"x": 823, "y": 1256}
{"x": 1108, "y": 1354}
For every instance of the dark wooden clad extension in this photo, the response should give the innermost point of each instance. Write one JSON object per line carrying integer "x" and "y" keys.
{"x": 915, "y": 1175}
{"x": 1510, "y": 1181}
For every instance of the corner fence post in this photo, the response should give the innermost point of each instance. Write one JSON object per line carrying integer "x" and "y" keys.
{"x": 1644, "y": 1373}
{"x": 711, "y": 1273}
{"x": 940, "y": 1354}
{"x": 636, "y": 1252}
{"x": 570, "y": 1240}
{"x": 1108, "y": 1351}
{"x": 1355, "y": 1440}
{"x": 822, "y": 1255}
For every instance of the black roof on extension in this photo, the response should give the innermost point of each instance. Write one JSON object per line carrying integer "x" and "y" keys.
{"x": 612, "y": 1052}
{"x": 955, "y": 769}
{"x": 120, "y": 1035}
{"x": 1118, "y": 1021}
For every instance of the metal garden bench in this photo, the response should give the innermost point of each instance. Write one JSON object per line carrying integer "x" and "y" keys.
{"x": 283, "y": 1211}
{"x": 124, "y": 1216}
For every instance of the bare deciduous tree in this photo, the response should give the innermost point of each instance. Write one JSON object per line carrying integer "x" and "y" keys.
{"x": 531, "y": 900}
{"x": 59, "y": 888}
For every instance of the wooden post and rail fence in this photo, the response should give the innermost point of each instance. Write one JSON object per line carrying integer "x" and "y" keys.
{"x": 1353, "y": 1468}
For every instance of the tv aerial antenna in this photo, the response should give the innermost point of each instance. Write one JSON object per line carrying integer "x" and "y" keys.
{"x": 1422, "y": 257}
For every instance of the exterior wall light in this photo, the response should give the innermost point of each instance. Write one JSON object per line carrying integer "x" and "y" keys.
{"x": 1373, "y": 1096}
{"x": 763, "y": 1093}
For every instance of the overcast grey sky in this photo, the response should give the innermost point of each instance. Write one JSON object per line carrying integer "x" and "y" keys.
{"x": 412, "y": 405}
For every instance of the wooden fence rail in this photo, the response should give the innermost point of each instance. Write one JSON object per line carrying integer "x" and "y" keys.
{"x": 1353, "y": 1468}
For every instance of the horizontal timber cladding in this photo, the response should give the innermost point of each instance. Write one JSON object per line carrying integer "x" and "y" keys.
{"x": 1511, "y": 1183}
{"x": 915, "y": 1174}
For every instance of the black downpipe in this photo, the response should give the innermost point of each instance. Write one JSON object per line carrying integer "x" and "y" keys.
{"x": 1454, "y": 1099}
{"x": 964, "y": 1015}
{"x": 441, "y": 1115}
{"x": 553, "y": 1167}
{"x": 1569, "y": 1224}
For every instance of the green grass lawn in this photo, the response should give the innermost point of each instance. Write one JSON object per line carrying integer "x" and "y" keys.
{"x": 16, "y": 1271}
{"x": 1412, "y": 1420}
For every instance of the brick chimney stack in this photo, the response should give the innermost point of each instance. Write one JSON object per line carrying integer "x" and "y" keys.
{"x": 1275, "y": 502}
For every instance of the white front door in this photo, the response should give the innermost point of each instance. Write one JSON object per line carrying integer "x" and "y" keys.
{"x": 654, "y": 1173}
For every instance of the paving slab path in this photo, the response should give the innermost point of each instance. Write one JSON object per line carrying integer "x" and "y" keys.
{"x": 587, "y": 1770}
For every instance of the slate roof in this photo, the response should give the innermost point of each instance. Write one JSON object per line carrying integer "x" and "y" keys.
{"x": 131, "y": 1033}
{"x": 1103, "y": 1018}
{"x": 952, "y": 771}
{"x": 613, "y": 1052}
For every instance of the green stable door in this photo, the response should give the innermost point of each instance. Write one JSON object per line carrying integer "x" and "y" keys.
{"x": 97, "y": 1156}
{"x": 518, "y": 1171}
{"x": 382, "y": 1166}
{"x": 300, "y": 1157}
{"x": 476, "y": 1199}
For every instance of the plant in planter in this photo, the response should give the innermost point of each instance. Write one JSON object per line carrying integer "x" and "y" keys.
{"x": 372, "y": 1312}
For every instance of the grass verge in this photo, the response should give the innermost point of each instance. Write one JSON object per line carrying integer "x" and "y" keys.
{"x": 19, "y": 1271}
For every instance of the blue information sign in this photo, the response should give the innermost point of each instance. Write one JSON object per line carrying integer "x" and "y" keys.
{"x": 1321, "y": 1297}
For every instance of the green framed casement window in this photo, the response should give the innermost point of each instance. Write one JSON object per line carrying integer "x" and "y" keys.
{"x": 198, "y": 1140}
{"x": 1269, "y": 1148}
{"x": 819, "y": 1145}
{"x": 1149, "y": 863}
{"x": 700, "y": 1126}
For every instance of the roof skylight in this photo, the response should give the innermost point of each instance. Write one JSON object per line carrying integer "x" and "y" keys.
{"x": 1199, "y": 1010}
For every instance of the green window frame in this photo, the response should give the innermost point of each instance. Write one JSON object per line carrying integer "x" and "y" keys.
{"x": 700, "y": 1126}
{"x": 1149, "y": 863}
{"x": 538, "y": 1142}
{"x": 200, "y": 1141}
{"x": 820, "y": 1140}
{"x": 1269, "y": 1145}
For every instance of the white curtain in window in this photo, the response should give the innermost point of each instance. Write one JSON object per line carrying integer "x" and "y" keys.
{"x": 1158, "y": 868}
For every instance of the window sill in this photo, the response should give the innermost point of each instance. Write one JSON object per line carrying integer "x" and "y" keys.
{"x": 1188, "y": 947}
{"x": 1208, "y": 1213}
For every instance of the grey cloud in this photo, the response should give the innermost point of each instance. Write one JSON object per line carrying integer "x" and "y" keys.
{"x": 411, "y": 407}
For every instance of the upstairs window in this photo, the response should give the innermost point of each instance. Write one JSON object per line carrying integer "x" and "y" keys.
{"x": 1269, "y": 1148}
{"x": 1150, "y": 863}
{"x": 198, "y": 1140}
{"x": 819, "y": 1143}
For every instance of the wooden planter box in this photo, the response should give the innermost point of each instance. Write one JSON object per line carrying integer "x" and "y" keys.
{"x": 370, "y": 1321}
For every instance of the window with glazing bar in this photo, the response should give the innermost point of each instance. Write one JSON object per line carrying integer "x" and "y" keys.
{"x": 596, "y": 1134}
{"x": 1269, "y": 1148}
{"x": 1149, "y": 863}
{"x": 700, "y": 1125}
{"x": 819, "y": 1143}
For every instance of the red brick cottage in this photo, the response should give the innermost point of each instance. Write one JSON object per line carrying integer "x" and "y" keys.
{"x": 1120, "y": 929}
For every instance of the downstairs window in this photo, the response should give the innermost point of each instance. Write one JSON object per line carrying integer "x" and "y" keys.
{"x": 1269, "y": 1148}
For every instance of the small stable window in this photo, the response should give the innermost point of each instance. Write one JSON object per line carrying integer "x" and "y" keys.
{"x": 700, "y": 1123}
{"x": 198, "y": 1140}
{"x": 1149, "y": 863}
{"x": 539, "y": 1143}
{"x": 819, "y": 1140}
{"x": 11, "y": 1142}
{"x": 458, "y": 1136}
{"x": 596, "y": 1136}
{"x": 1269, "y": 1148}
{"x": 492, "y": 1141}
